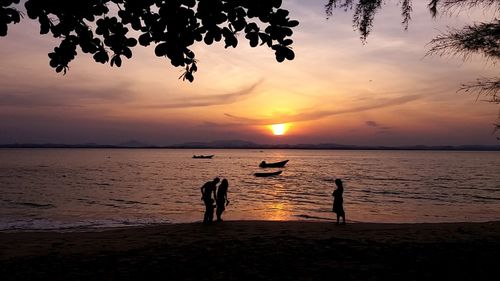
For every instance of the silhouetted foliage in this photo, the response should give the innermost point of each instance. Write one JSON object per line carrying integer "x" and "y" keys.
{"x": 364, "y": 13}
{"x": 449, "y": 6}
{"x": 110, "y": 29}
{"x": 488, "y": 87}
{"x": 8, "y": 15}
{"x": 481, "y": 38}
{"x": 484, "y": 86}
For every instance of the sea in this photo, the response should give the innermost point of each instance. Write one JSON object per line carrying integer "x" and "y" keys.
{"x": 81, "y": 189}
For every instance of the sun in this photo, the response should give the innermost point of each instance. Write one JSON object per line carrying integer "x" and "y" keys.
{"x": 279, "y": 129}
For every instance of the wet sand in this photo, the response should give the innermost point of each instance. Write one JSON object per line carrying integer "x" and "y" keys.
{"x": 257, "y": 250}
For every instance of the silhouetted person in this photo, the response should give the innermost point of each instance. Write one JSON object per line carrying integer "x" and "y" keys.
{"x": 338, "y": 201}
{"x": 221, "y": 199}
{"x": 207, "y": 190}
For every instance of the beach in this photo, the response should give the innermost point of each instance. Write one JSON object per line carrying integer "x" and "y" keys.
{"x": 257, "y": 250}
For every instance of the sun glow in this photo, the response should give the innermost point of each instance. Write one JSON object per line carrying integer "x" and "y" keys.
{"x": 279, "y": 129}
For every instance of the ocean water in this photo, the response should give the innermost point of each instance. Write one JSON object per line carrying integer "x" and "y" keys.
{"x": 71, "y": 189}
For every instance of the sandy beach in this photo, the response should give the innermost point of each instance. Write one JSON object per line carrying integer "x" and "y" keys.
{"x": 257, "y": 250}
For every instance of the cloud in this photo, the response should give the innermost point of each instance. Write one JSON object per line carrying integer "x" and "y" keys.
{"x": 63, "y": 96}
{"x": 214, "y": 125}
{"x": 310, "y": 115}
{"x": 379, "y": 127}
{"x": 209, "y": 100}
{"x": 384, "y": 132}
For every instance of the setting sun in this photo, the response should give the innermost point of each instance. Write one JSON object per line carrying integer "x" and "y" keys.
{"x": 279, "y": 129}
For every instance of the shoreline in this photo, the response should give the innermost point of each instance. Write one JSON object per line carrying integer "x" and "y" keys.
{"x": 262, "y": 250}
{"x": 85, "y": 228}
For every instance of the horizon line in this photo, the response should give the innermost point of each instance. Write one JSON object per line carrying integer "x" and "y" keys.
{"x": 250, "y": 145}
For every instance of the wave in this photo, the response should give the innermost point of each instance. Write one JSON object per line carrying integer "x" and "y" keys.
{"x": 128, "y": 202}
{"x": 383, "y": 192}
{"x": 486, "y": 198}
{"x": 34, "y": 205}
{"x": 313, "y": 217}
{"x": 444, "y": 179}
{"x": 74, "y": 226}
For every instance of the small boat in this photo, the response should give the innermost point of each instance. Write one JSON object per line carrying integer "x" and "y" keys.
{"x": 268, "y": 174}
{"x": 263, "y": 164}
{"x": 203, "y": 156}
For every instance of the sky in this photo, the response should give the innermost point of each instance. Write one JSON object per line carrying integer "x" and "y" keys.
{"x": 336, "y": 90}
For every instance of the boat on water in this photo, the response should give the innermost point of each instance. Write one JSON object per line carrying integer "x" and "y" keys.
{"x": 264, "y": 164}
{"x": 269, "y": 174}
{"x": 203, "y": 156}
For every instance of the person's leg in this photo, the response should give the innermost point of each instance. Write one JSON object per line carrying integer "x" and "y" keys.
{"x": 219, "y": 218}
{"x": 338, "y": 218}
{"x": 205, "y": 216}
{"x": 218, "y": 212}
{"x": 211, "y": 214}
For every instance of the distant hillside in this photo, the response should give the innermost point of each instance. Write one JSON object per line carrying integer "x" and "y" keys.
{"x": 56, "y": 145}
{"x": 219, "y": 144}
{"x": 240, "y": 144}
{"x": 247, "y": 144}
{"x": 133, "y": 143}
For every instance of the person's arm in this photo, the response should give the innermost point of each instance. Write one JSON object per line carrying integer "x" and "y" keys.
{"x": 202, "y": 189}
{"x": 227, "y": 201}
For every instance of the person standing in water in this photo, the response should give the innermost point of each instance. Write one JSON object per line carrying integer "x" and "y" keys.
{"x": 206, "y": 195}
{"x": 338, "y": 201}
{"x": 221, "y": 199}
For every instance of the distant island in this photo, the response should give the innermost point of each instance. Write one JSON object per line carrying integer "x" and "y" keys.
{"x": 240, "y": 144}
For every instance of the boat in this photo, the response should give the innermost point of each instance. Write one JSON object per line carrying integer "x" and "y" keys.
{"x": 269, "y": 174}
{"x": 263, "y": 164}
{"x": 203, "y": 156}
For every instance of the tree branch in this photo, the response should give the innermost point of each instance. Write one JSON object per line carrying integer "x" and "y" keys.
{"x": 483, "y": 39}
{"x": 174, "y": 26}
{"x": 484, "y": 86}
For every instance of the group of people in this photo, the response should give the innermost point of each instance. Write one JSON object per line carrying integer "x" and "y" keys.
{"x": 215, "y": 198}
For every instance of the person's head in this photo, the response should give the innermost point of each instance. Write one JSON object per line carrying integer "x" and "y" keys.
{"x": 339, "y": 184}
{"x": 216, "y": 180}
{"x": 224, "y": 181}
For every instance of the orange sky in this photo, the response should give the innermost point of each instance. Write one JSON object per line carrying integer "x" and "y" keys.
{"x": 337, "y": 90}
